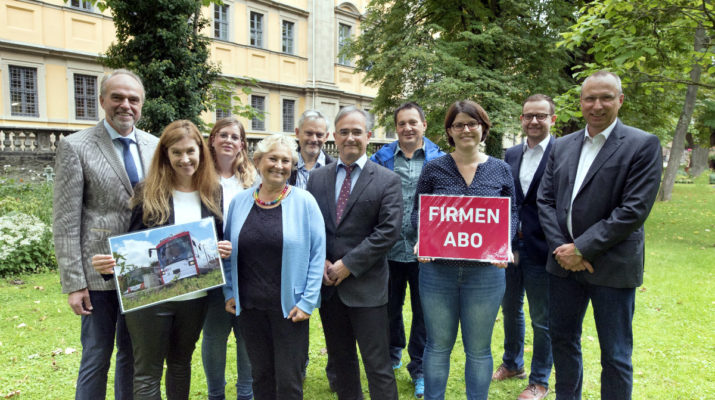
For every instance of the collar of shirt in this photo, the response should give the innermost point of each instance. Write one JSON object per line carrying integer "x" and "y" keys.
{"x": 398, "y": 149}
{"x": 318, "y": 164}
{"x": 113, "y": 134}
{"x": 541, "y": 144}
{"x": 605, "y": 133}
{"x": 360, "y": 162}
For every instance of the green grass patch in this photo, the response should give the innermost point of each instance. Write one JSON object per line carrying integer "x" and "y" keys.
{"x": 673, "y": 351}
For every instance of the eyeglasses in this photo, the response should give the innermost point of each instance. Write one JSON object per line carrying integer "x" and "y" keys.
{"x": 354, "y": 132}
{"x": 459, "y": 126}
{"x": 539, "y": 117}
{"x": 318, "y": 135}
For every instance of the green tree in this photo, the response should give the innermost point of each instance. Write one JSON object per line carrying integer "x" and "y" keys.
{"x": 660, "y": 47}
{"x": 496, "y": 52}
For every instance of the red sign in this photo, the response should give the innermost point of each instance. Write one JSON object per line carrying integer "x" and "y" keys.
{"x": 465, "y": 227}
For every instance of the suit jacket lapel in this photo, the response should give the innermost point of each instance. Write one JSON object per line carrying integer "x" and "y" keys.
{"x": 515, "y": 168}
{"x": 144, "y": 154}
{"x": 330, "y": 193}
{"x": 534, "y": 186}
{"x": 574, "y": 153}
{"x": 363, "y": 181}
{"x": 611, "y": 145}
{"x": 106, "y": 147}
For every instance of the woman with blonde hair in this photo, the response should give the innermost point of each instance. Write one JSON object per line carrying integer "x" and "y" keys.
{"x": 181, "y": 187}
{"x": 227, "y": 143}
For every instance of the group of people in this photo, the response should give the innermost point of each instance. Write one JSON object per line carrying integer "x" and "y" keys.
{"x": 299, "y": 230}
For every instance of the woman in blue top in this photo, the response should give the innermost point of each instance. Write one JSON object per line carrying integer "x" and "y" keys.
{"x": 456, "y": 291}
{"x": 275, "y": 270}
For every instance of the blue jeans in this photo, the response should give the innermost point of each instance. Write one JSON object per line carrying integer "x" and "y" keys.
{"x": 217, "y": 327}
{"x": 613, "y": 310}
{"x": 97, "y": 337}
{"x": 400, "y": 274}
{"x": 452, "y": 295}
{"x": 528, "y": 276}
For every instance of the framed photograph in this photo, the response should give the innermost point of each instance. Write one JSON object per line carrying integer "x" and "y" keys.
{"x": 464, "y": 227}
{"x": 161, "y": 264}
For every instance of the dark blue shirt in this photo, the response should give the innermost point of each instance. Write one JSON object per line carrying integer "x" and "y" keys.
{"x": 492, "y": 179}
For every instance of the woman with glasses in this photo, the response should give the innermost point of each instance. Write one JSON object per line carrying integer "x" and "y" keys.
{"x": 227, "y": 143}
{"x": 455, "y": 292}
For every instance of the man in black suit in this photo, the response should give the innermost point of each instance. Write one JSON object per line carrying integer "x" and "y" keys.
{"x": 597, "y": 191}
{"x": 528, "y": 273}
{"x": 361, "y": 204}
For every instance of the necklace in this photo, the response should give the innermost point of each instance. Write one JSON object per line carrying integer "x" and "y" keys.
{"x": 269, "y": 203}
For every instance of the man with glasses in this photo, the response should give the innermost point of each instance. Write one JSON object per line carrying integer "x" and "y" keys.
{"x": 597, "y": 191}
{"x": 406, "y": 156}
{"x": 361, "y": 203}
{"x": 528, "y": 272}
{"x": 312, "y": 132}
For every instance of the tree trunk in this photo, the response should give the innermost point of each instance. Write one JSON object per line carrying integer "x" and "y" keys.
{"x": 677, "y": 147}
{"x": 699, "y": 160}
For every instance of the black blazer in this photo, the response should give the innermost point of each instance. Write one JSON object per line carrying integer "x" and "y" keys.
{"x": 368, "y": 229}
{"x": 533, "y": 236}
{"x": 610, "y": 207}
{"x": 294, "y": 174}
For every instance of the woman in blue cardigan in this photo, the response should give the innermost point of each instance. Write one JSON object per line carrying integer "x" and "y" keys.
{"x": 275, "y": 271}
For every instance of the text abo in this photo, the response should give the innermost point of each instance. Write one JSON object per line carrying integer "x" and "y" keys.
{"x": 464, "y": 227}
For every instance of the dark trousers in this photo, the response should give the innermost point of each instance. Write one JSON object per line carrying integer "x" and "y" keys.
{"x": 400, "y": 275}
{"x": 167, "y": 331}
{"x": 277, "y": 348}
{"x": 613, "y": 310}
{"x": 97, "y": 337}
{"x": 343, "y": 327}
{"x": 527, "y": 276}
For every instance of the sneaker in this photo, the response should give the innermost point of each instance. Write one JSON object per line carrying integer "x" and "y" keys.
{"x": 503, "y": 373}
{"x": 397, "y": 366}
{"x": 419, "y": 387}
{"x": 534, "y": 392}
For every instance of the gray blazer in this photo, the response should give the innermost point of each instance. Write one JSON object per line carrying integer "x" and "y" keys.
{"x": 370, "y": 226}
{"x": 91, "y": 202}
{"x": 610, "y": 208}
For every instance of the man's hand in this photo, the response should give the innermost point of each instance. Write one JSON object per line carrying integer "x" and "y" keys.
{"x": 327, "y": 281}
{"x": 338, "y": 272}
{"x": 569, "y": 259}
{"x": 297, "y": 315}
{"x": 79, "y": 302}
{"x": 231, "y": 306}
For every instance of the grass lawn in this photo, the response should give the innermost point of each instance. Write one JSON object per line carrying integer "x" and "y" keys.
{"x": 674, "y": 323}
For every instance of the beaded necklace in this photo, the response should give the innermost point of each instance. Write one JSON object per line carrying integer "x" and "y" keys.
{"x": 270, "y": 203}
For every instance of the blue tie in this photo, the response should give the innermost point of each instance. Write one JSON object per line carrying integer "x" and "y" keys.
{"x": 129, "y": 161}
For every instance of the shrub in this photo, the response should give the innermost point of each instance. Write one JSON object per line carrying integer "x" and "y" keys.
{"x": 25, "y": 245}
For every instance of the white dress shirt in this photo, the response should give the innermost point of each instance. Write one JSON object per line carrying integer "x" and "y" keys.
{"x": 530, "y": 162}
{"x": 119, "y": 147}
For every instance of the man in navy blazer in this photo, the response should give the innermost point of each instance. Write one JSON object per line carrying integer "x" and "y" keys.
{"x": 597, "y": 191}
{"x": 528, "y": 272}
{"x": 361, "y": 204}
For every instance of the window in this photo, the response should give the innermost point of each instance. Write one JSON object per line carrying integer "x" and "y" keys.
{"x": 222, "y": 113}
{"x": 81, "y": 4}
{"x": 256, "y": 29}
{"x": 288, "y": 37}
{"x": 221, "y": 22}
{"x": 288, "y": 115}
{"x": 23, "y": 91}
{"x": 343, "y": 38}
{"x": 85, "y": 97}
{"x": 259, "y": 103}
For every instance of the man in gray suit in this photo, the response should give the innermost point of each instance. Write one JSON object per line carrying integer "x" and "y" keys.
{"x": 96, "y": 171}
{"x": 361, "y": 204}
{"x": 597, "y": 191}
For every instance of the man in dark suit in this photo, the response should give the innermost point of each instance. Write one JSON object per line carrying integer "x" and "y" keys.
{"x": 312, "y": 132}
{"x": 528, "y": 272}
{"x": 361, "y": 204}
{"x": 97, "y": 169}
{"x": 597, "y": 191}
